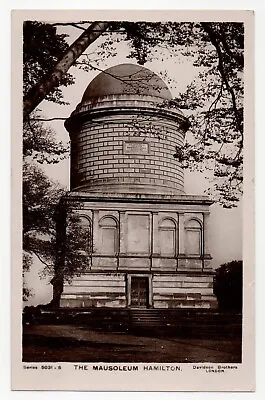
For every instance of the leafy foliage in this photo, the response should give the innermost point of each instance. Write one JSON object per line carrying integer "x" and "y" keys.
{"x": 39, "y": 142}
{"x": 216, "y": 96}
{"x": 228, "y": 285}
{"x": 73, "y": 244}
{"x": 40, "y": 197}
{"x": 42, "y": 46}
{"x": 214, "y": 99}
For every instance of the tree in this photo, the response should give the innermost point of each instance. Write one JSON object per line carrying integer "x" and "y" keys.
{"x": 215, "y": 97}
{"x": 228, "y": 285}
{"x": 58, "y": 75}
{"x": 41, "y": 48}
{"x": 40, "y": 195}
{"x": 52, "y": 231}
{"x": 218, "y": 128}
{"x": 72, "y": 248}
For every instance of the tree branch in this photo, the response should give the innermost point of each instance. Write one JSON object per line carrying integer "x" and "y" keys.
{"x": 40, "y": 259}
{"x": 237, "y": 57}
{"x": 49, "y": 119}
{"x": 74, "y": 25}
{"x": 38, "y": 92}
{"x": 213, "y": 38}
{"x": 70, "y": 23}
{"x": 214, "y": 104}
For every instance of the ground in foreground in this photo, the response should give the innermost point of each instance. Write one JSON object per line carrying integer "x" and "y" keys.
{"x": 69, "y": 343}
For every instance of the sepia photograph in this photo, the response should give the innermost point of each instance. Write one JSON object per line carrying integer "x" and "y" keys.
{"x": 133, "y": 147}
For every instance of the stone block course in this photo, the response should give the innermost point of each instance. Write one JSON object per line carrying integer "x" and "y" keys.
{"x": 102, "y": 143}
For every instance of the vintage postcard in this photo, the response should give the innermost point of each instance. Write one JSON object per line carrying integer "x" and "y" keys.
{"x": 133, "y": 200}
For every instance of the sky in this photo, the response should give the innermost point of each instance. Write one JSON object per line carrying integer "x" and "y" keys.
{"x": 225, "y": 225}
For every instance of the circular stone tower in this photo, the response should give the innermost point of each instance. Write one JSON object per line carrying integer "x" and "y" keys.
{"x": 124, "y": 135}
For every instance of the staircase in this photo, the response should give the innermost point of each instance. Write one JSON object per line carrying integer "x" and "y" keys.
{"x": 186, "y": 323}
{"x": 143, "y": 318}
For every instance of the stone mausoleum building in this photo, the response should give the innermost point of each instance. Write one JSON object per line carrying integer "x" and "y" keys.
{"x": 149, "y": 240}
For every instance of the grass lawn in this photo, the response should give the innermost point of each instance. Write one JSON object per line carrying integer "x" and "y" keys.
{"x": 70, "y": 343}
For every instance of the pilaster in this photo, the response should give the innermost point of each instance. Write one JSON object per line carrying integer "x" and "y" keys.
{"x": 155, "y": 238}
{"x": 206, "y": 216}
{"x": 181, "y": 234}
{"x": 122, "y": 232}
{"x": 96, "y": 245}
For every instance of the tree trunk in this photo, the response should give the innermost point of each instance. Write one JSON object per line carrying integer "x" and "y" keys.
{"x": 38, "y": 92}
{"x": 58, "y": 279}
{"x": 57, "y": 283}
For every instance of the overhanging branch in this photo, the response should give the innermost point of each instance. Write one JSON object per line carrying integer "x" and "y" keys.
{"x": 213, "y": 38}
{"x": 38, "y": 92}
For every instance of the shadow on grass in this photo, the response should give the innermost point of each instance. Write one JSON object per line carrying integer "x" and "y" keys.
{"x": 45, "y": 347}
{"x": 62, "y": 342}
{"x": 37, "y": 348}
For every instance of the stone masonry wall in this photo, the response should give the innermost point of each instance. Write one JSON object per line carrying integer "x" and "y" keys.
{"x": 95, "y": 290}
{"x": 167, "y": 291}
{"x": 110, "y": 152}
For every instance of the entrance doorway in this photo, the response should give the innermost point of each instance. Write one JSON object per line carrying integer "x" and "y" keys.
{"x": 139, "y": 292}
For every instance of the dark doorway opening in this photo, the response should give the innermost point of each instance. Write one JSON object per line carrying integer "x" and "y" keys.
{"x": 139, "y": 292}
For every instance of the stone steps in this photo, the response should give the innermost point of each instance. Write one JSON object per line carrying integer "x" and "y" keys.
{"x": 187, "y": 323}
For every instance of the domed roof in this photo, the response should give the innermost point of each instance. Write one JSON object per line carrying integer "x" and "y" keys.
{"x": 127, "y": 79}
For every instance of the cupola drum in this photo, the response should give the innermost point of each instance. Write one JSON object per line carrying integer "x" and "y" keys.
{"x": 124, "y": 134}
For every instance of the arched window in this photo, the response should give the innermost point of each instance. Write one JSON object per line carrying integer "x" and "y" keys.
{"x": 108, "y": 235}
{"x": 193, "y": 238}
{"x": 167, "y": 237}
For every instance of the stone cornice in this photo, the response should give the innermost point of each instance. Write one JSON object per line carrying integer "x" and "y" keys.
{"x": 125, "y": 105}
{"x": 139, "y": 198}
